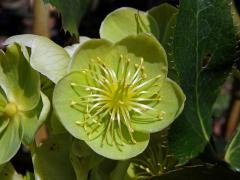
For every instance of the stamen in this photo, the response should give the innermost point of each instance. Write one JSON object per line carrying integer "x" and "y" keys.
{"x": 115, "y": 98}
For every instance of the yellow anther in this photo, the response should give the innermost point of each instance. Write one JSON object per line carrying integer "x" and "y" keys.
{"x": 148, "y": 170}
{"x": 121, "y": 102}
{"x": 79, "y": 123}
{"x": 73, "y": 103}
{"x": 73, "y": 84}
{"x": 160, "y": 116}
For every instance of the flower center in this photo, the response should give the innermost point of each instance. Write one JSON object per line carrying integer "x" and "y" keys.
{"x": 114, "y": 96}
{"x": 10, "y": 109}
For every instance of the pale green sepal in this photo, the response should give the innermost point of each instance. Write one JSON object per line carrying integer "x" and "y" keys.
{"x": 163, "y": 15}
{"x": 164, "y": 112}
{"x": 127, "y": 21}
{"x": 114, "y": 147}
{"x": 90, "y": 50}
{"x": 71, "y": 49}
{"x": 18, "y": 80}
{"x": 46, "y": 56}
{"x": 62, "y": 104}
{"x": 147, "y": 47}
{"x": 33, "y": 119}
{"x": 10, "y": 139}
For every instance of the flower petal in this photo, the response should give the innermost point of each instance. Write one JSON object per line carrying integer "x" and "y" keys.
{"x": 165, "y": 112}
{"x": 89, "y": 51}
{"x": 118, "y": 151}
{"x": 33, "y": 119}
{"x": 18, "y": 80}
{"x": 127, "y": 21}
{"x": 10, "y": 139}
{"x": 64, "y": 94}
{"x": 147, "y": 47}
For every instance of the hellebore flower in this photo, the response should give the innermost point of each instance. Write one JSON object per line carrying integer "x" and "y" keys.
{"x": 117, "y": 94}
{"x": 23, "y": 108}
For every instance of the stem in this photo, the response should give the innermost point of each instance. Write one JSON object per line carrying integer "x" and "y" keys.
{"x": 40, "y": 19}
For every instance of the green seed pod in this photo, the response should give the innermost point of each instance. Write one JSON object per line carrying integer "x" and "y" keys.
{"x": 117, "y": 94}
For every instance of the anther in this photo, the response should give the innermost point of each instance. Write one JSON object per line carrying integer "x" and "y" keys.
{"x": 88, "y": 89}
{"x": 73, "y": 103}
{"x": 79, "y": 123}
{"x": 144, "y": 76}
{"x": 99, "y": 59}
{"x": 148, "y": 170}
{"x": 159, "y": 76}
{"x": 121, "y": 102}
{"x": 73, "y": 84}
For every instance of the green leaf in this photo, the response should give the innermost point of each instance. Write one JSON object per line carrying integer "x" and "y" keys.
{"x": 55, "y": 125}
{"x": 8, "y": 173}
{"x": 29, "y": 176}
{"x": 32, "y": 120}
{"x": 18, "y": 80}
{"x": 10, "y": 139}
{"x": 52, "y": 159}
{"x": 166, "y": 16}
{"x": 203, "y": 53}
{"x": 46, "y": 57}
{"x": 200, "y": 172}
{"x": 233, "y": 151}
{"x": 71, "y": 12}
{"x": 127, "y": 21}
{"x": 83, "y": 159}
{"x": 120, "y": 170}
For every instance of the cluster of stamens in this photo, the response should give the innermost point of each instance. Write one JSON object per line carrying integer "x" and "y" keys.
{"x": 9, "y": 110}
{"x": 113, "y": 97}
